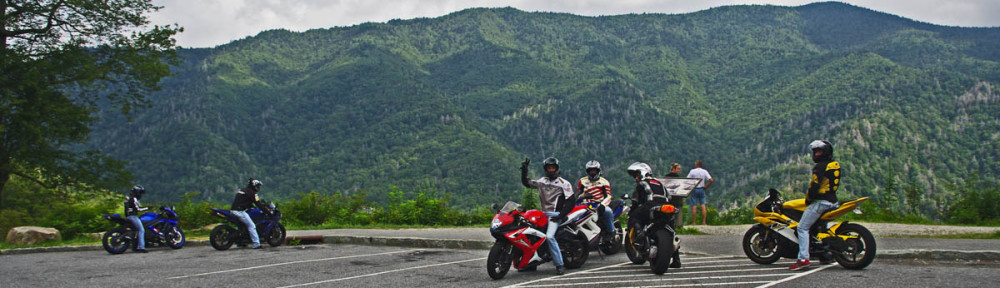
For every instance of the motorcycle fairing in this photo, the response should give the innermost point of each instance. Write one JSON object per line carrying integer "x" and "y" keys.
{"x": 845, "y": 207}
{"x": 519, "y": 238}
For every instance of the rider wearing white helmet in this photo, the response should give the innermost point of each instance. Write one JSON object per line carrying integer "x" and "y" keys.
{"x": 599, "y": 190}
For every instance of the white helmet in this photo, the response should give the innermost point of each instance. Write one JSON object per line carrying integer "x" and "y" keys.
{"x": 641, "y": 170}
{"x": 593, "y": 164}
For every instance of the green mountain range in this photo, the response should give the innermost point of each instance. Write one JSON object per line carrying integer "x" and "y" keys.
{"x": 451, "y": 105}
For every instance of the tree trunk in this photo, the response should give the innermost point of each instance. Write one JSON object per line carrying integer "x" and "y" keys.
{"x": 4, "y": 176}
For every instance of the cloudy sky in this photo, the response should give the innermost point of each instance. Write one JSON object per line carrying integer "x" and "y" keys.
{"x": 208, "y": 23}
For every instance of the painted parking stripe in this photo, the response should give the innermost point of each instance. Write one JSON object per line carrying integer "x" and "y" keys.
{"x": 564, "y": 276}
{"x": 685, "y": 267}
{"x": 288, "y": 263}
{"x": 660, "y": 280}
{"x": 682, "y": 272}
{"x": 797, "y": 275}
{"x": 380, "y": 273}
{"x": 706, "y": 284}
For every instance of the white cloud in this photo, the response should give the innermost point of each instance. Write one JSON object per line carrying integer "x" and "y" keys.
{"x": 215, "y": 22}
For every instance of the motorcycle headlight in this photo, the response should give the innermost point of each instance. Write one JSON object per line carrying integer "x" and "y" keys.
{"x": 496, "y": 223}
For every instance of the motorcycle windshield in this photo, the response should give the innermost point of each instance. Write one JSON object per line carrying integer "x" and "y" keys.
{"x": 510, "y": 206}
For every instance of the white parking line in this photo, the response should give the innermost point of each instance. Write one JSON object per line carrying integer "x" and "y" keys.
{"x": 685, "y": 267}
{"x": 659, "y": 280}
{"x": 715, "y": 261}
{"x": 380, "y": 273}
{"x": 287, "y": 263}
{"x": 567, "y": 275}
{"x": 706, "y": 284}
{"x": 682, "y": 272}
{"x": 797, "y": 275}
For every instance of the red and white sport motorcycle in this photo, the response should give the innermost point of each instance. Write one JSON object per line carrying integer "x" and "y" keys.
{"x": 521, "y": 239}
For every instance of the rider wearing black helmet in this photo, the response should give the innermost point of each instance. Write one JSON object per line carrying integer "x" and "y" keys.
{"x": 556, "y": 198}
{"x": 132, "y": 210}
{"x": 821, "y": 197}
{"x": 245, "y": 198}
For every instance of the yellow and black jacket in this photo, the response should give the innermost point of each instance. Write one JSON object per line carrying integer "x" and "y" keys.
{"x": 825, "y": 181}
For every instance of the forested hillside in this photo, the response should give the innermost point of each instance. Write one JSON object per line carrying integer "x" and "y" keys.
{"x": 453, "y": 104}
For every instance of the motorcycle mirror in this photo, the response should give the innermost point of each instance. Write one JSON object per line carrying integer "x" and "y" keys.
{"x": 495, "y": 207}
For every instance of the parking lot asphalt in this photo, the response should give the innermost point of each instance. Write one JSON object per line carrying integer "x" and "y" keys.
{"x": 722, "y": 240}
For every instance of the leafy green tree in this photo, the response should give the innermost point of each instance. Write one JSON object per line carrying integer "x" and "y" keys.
{"x": 62, "y": 61}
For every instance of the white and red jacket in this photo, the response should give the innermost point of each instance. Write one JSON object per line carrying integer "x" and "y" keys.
{"x": 600, "y": 189}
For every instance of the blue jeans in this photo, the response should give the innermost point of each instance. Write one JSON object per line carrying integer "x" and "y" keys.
{"x": 550, "y": 237}
{"x": 809, "y": 217}
{"x": 608, "y": 217}
{"x": 697, "y": 197}
{"x": 251, "y": 227}
{"x": 140, "y": 232}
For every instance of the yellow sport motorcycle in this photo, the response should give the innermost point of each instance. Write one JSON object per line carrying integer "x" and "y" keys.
{"x": 852, "y": 245}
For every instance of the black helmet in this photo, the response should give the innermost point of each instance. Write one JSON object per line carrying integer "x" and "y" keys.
{"x": 137, "y": 191}
{"x": 823, "y": 145}
{"x": 551, "y": 161}
{"x": 591, "y": 165}
{"x": 255, "y": 184}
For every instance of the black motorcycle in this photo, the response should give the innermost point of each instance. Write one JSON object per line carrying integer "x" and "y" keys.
{"x": 269, "y": 228}
{"x": 161, "y": 230}
{"x": 657, "y": 241}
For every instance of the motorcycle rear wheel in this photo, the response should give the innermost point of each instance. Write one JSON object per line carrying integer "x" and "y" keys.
{"x": 632, "y": 235}
{"x": 760, "y": 248}
{"x": 222, "y": 237}
{"x": 114, "y": 241}
{"x": 861, "y": 248}
{"x": 175, "y": 238}
{"x": 498, "y": 262}
{"x": 616, "y": 244}
{"x": 276, "y": 236}
{"x": 664, "y": 252}
{"x": 575, "y": 253}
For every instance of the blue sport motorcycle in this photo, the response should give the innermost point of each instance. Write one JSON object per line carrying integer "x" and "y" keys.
{"x": 269, "y": 229}
{"x": 161, "y": 229}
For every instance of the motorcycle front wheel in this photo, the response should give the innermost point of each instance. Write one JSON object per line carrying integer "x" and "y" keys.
{"x": 175, "y": 238}
{"x": 860, "y": 250}
{"x": 498, "y": 262}
{"x": 222, "y": 237}
{"x": 575, "y": 253}
{"x": 115, "y": 242}
{"x": 633, "y": 242}
{"x": 276, "y": 236}
{"x": 760, "y": 248}
{"x": 664, "y": 251}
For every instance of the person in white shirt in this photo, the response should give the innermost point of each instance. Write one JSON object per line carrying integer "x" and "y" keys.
{"x": 557, "y": 200}
{"x": 697, "y": 196}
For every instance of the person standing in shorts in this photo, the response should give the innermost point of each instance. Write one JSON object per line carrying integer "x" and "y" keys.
{"x": 698, "y": 195}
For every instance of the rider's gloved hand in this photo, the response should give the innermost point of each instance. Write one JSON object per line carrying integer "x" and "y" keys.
{"x": 524, "y": 165}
